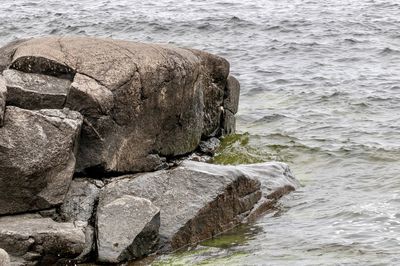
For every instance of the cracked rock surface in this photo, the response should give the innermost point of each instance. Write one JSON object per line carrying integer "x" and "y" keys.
{"x": 132, "y": 235}
{"x": 37, "y": 158}
{"x": 38, "y": 240}
{"x": 141, "y": 102}
{"x": 199, "y": 200}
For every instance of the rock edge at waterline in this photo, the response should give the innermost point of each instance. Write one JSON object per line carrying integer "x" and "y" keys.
{"x": 93, "y": 139}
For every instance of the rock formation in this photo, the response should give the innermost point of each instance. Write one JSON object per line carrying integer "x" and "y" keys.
{"x": 82, "y": 119}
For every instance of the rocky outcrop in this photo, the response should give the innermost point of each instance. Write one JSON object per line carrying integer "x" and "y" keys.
{"x": 37, "y": 158}
{"x": 128, "y": 93}
{"x": 40, "y": 240}
{"x": 99, "y": 110}
{"x": 132, "y": 235}
{"x": 199, "y": 200}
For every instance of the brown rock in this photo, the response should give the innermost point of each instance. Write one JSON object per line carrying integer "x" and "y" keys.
{"x": 37, "y": 158}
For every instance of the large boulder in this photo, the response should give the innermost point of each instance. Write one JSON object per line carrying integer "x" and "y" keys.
{"x": 38, "y": 240}
{"x": 141, "y": 102}
{"x": 127, "y": 228}
{"x": 37, "y": 158}
{"x": 199, "y": 200}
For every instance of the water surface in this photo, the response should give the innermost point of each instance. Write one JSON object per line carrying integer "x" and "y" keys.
{"x": 320, "y": 90}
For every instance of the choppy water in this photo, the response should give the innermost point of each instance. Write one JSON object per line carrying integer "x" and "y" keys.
{"x": 320, "y": 89}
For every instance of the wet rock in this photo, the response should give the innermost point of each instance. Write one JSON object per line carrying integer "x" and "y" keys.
{"x": 4, "y": 258}
{"x": 141, "y": 123}
{"x": 89, "y": 97}
{"x": 79, "y": 202}
{"x": 197, "y": 200}
{"x": 37, "y": 158}
{"x": 127, "y": 228}
{"x": 232, "y": 93}
{"x": 229, "y": 123}
{"x": 3, "y": 95}
{"x": 35, "y": 91}
{"x": 213, "y": 87}
{"x": 40, "y": 240}
{"x": 209, "y": 146}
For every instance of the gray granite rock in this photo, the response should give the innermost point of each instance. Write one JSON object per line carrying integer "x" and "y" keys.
{"x": 4, "y": 258}
{"x": 35, "y": 91}
{"x": 127, "y": 228}
{"x": 232, "y": 93}
{"x": 79, "y": 202}
{"x": 38, "y": 240}
{"x": 229, "y": 123}
{"x": 89, "y": 97}
{"x": 199, "y": 200}
{"x": 37, "y": 158}
{"x": 141, "y": 123}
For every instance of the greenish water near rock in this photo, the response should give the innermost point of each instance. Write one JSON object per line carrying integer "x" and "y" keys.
{"x": 320, "y": 91}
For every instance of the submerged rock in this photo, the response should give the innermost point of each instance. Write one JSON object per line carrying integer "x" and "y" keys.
{"x": 37, "y": 158}
{"x": 127, "y": 228}
{"x": 40, "y": 240}
{"x": 199, "y": 200}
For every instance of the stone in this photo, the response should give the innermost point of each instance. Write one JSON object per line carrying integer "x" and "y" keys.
{"x": 127, "y": 228}
{"x": 4, "y": 258}
{"x": 79, "y": 203}
{"x": 200, "y": 200}
{"x": 3, "y": 98}
{"x": 37, "y": 158}
{"x": 7, "y": 52}
{"x": 40, "y": 240}
{"x": 141, "y": 124}
{"x": 229, "y": 123}
{"x": 209, "y": 146}
{"x": 232, "y": 93}
{"x": 89, "y": 97}
{"x": 35, "y": 91}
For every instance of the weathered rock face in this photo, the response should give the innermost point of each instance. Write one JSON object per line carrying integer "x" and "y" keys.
{"x": 3, "y": 95}
{"x": 40, "y": 240}
{"x": 231, "y": 105}
{"x": 198, "y": 200}
{"x": 79, "y": 202}
{"x": 141, "y": 102}
{"x": 35, "y": 91}
{"x": 127, "y": 228}
{"x": 4, "y": 258}
{"x": 37, "y": 158}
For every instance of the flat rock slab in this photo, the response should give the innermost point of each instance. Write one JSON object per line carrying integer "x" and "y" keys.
{"x": 3, "y": 98}
{"x": 37, "y": 158}
{"x": 128, "y": 93}
{"x": 40, "y": 240}
{"x": 199, "y": 200}
{"x": 35, "y": 91}
{"x": 127, "y": 228}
